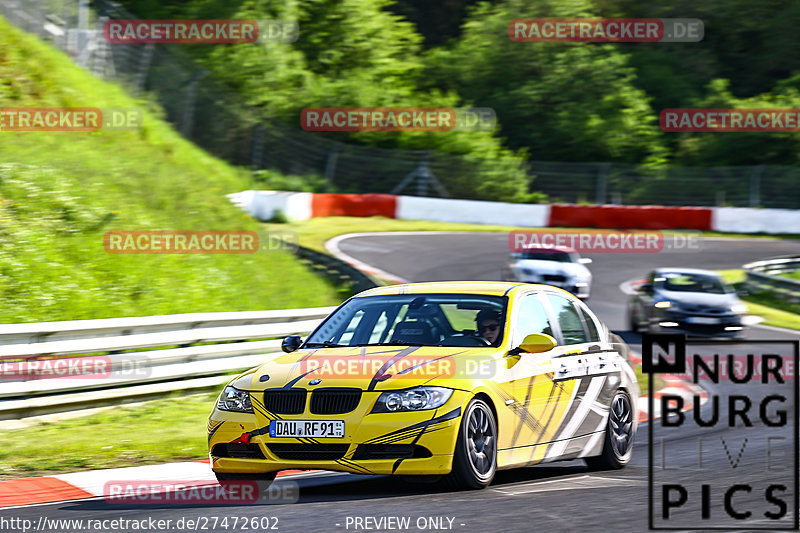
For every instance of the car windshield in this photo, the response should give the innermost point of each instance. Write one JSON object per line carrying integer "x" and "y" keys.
{"x": 691, "y": 282}
{"x": 555, "y": 255}
{"x": 414, "y": 320}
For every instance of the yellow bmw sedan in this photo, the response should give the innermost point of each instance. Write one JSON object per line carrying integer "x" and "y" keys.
{"x": 452, "y": 379}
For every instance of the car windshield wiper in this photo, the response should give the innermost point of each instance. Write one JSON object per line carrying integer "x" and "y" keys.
{"x": 325, "y": 344}
{"x": 401, "y": 343}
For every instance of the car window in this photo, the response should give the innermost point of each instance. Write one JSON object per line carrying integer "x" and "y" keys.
{"x": 531, "y": 318}
{"x": 591, "y": 329}
{"x": 378, "y": 330}
{"x": 347, "y": 335}
{"x": 561, "y": 257}
{"x": 568, "y": 319}
{"x": 459, "y": 319}
{"x": 426, "y": 320}
{"x": 690, "y": 282}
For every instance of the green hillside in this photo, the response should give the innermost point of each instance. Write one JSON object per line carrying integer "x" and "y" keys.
{"x": 61, "y": 191}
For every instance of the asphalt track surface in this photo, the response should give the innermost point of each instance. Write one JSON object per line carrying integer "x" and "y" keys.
{"x": 556, "y": 497}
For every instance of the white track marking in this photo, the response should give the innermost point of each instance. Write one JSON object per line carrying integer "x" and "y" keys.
{"x": 333, "y": 247}
{"x": 576, "y": 483}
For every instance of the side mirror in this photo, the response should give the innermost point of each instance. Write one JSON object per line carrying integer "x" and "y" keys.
{"x": 291, "y": 343}
{"x": 537, "y": 343}
{"x": 584, "y": 260}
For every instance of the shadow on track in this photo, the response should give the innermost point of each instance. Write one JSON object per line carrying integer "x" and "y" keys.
{"x": 350, "y": 487}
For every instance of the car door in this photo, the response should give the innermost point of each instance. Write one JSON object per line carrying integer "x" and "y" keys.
{"x": 587, "y": 364}
{"x": 539, "y": 402}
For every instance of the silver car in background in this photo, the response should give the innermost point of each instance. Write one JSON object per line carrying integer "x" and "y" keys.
{"x": 559, "y": 266}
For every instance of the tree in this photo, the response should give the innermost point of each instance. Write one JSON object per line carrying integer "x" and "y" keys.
{"x": 560, "y": 101}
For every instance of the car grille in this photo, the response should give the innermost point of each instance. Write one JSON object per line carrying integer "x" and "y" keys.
{"x": 309, "y": 452}
{"x": 703, "y": 309}
{"x": 285, "y": 401}
{"x": 554, "y": 277}
{"x": 237, "y": 450}
{"x": 334, "y": 401}
{"x": 390, "y": 451}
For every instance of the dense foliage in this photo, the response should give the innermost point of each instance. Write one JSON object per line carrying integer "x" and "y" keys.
{"x": 555, "y": 101}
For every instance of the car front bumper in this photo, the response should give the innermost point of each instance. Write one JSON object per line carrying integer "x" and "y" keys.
{"x": 410, "y": 443}
{"x": 726, "y": 325}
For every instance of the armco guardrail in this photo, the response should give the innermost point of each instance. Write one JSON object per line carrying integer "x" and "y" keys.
{"x": 761, "y": 275}
{"x": 85, "y": 329}
{"x": 134, "y": 358}
{"x": 337, "y": 271}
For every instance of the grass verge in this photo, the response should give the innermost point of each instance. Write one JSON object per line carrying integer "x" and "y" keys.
{"x": 775, "y": 311}
{"x": 795, "y": 275}
{"x": 158, "y": 431}
{"x": 60, "y": 192}
{"x": 315, "y": 232}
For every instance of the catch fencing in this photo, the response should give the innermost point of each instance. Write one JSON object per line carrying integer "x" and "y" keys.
{"x": 214, "y": 117}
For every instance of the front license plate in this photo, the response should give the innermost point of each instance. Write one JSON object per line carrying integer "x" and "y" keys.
{"x": 315, "y": 429}
{"x": 702, "y": 320}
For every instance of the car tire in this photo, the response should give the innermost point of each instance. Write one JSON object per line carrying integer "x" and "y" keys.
{"x": 475, "y": 454}
{"x": 633, "y": 325}
{"x": 618, "y": 440}
{"x": 264, "y": 480}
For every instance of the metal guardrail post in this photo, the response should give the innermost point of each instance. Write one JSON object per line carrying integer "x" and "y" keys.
{"x": 755, "y": 186}
{"x": 602, "y": 183}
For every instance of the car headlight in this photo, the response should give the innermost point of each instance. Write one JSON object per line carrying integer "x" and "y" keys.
{"x": 235, "y": 400}
{"x": 528, "y": 271}
{"x": 739, "y": 309}
{"x": 663, "y": 304}
{"x": 416, "y": 399}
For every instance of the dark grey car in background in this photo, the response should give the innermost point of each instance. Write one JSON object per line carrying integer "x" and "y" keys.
{"x": 685, "y": 300}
